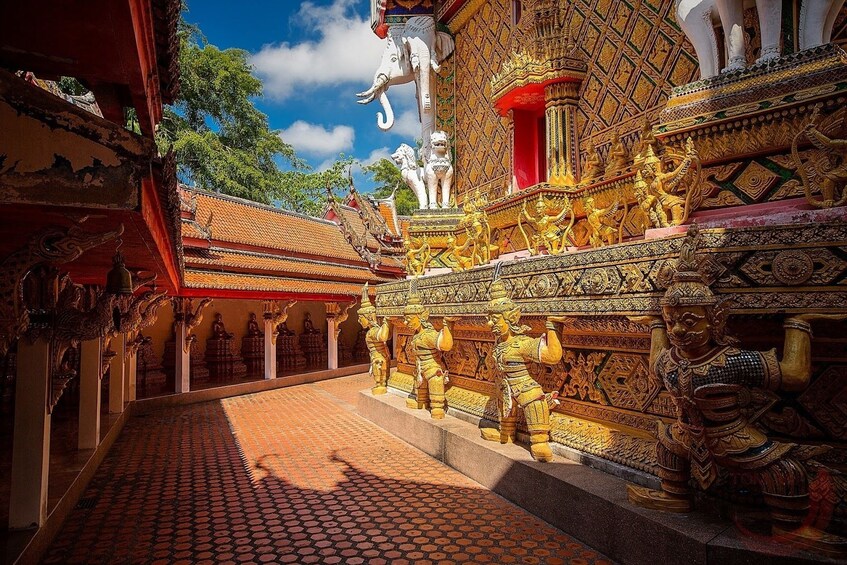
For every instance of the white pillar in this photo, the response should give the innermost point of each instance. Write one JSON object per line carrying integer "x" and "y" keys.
{"x": 131, "y": 373}
{"x": 89, "y": 393}
{"x": 31, "y": 443}
{"x": 270, "y": 349}
{"x": 183, "y": 359}
{"x": 332, "y": 342}
{"x": 116, "y": 375}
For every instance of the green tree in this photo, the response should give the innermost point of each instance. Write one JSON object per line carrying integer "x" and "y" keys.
{"x": 387, "y": 177}
{"x": 223, "y": 142}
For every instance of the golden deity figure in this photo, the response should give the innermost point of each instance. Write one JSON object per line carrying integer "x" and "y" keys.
{"x": 477, "y": 229}
{"x": 430, "y": 376}
{"x": 709, "y": 381}
{"x": 663, "y": 186}
{"x": 593, "y": 164}
{"x": 832, "y": 179}
{"x": 618, "y": 160}
{"x": 418, "y": 255}
{"x": 548, "y": 234}
{"x": 514, "y": 385}
{"x": 647, "y": 140}
{"x": 600, "y": 224}
{"x": 376, "y": 336}
{"x": 459, "y": 253}
{"x": 649, "y": 204}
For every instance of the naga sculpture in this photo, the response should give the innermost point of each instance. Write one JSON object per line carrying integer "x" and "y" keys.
{"x": 600, "y": 225}
{"x": 514, "y": 385}
{"x": 412, "y": 175}
{"x": 832, "y": 180}
{"x": 430, "y": 376}
{"x": 376, "y": 336}
{"x": 418, "y": 255}
{"x": 665, "y": 208}
{"x": 709, "y": 380}
{"x": 548, "y": 235}
{"x": 439, "y": 170}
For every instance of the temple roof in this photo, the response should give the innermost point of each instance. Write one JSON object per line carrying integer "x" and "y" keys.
{"x": 242, "y": 249}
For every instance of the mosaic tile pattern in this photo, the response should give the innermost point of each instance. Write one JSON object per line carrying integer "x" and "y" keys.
{"x": 292, "y": 476}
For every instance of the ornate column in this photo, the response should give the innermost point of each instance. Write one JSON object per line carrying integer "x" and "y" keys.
{"x": 33, "y": 392}
{"x": 186, "y": 318}
{"x": 89, "y": 393}
{"x": 131, "y": 372}
{"x": 116, "y": 375}
{"x": 332, "y": 310}
{"x": 560, "y": 105}
{"x": 274, "y": 314}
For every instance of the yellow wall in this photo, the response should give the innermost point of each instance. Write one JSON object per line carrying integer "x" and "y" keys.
{"x": 235, "y": 316}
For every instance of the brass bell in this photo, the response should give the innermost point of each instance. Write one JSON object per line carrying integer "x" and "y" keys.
{"x": 119, "y": 279}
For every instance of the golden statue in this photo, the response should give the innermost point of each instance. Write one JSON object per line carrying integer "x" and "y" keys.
{"x": 459, "y": 253}
{"x": 548, "y": 234}
{"x": 709, "y": 379}
{"x": 515, "y": 387}
{"x": 647, "y": 140}
{"x": 418, "y": 255}
{"x": 649, "y": 204}
{"x": 593, "y": 164}
{"x": 376, "y": 336}
{"x": 430, "y": 376}
{"x": 618, "y": 161}
{"x": 833, "y": 179}
{"x": 600, "y": 224}
{"x": 478, "y": 230}
{"x": 662, "y": 186}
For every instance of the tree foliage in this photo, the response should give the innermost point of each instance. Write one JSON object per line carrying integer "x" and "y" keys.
{"x": 387, "y": 178}
{"x": 223, "y": 143}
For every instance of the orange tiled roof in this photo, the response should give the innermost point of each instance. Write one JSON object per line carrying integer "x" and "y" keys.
{"x": 230, "y": 260}
{"x": 236, "y": 281}
{"x": 249, "y": 223}
{"x": 389, "y": 214}
{"x": 190, "y": 229}
{"x": 352, "y": 216}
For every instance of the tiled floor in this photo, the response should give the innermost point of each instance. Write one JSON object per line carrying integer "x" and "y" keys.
{"x": 292, "y": 476}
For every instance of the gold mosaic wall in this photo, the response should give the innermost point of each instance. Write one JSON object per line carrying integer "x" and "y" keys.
{"x": 635, "y": 54}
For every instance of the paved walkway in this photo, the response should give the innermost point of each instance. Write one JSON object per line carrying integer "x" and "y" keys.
{"x": 292, "y": 476}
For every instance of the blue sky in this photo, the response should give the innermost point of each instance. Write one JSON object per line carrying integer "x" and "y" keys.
{"x": 313, "y": 56}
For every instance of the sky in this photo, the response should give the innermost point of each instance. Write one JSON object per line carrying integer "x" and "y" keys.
{"x": 313, "y": 57}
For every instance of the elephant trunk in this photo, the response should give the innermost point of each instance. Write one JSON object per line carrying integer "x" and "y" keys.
{"x": 385, "y": 122}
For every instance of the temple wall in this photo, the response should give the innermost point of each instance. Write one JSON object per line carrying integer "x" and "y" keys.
{"x": 635, "y": 53}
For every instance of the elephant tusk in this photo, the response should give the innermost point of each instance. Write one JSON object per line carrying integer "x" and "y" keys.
{"x": 379, "y": 81}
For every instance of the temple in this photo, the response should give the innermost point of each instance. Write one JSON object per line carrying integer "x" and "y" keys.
{"x": 620, "y": 303}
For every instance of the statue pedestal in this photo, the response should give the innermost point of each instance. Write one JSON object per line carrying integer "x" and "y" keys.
{"x": 220, "y": 360}
{"x": 314, "y": 348}
{"x": 289, "y": 356}
{"x": 253, "y": 354}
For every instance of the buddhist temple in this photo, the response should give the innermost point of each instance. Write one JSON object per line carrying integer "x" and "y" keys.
{"x": 613, "y": 330}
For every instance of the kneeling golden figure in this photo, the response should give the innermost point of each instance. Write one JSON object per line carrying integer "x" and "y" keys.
{"x": 430, "y": 376}
{"x": 515, "y": 387}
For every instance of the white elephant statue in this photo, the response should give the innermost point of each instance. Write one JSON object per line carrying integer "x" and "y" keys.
{"x": 412, "y": 175}
{"x": 439, "y": 170}
{"x": 412, "y": 52}
{"x": 697, "y": 19}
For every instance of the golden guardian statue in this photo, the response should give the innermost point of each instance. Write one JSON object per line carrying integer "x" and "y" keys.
{"x": 548, "y": 234}
{"x": 514, "y": 385}
{"x": 430, "y": 376}
{"x": 709, "y": 380}
{"x": 376, "y": 336}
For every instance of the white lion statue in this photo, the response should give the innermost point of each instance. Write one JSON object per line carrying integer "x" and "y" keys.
{"x": 412, "y": 175}
{"x": 439, "y": 170}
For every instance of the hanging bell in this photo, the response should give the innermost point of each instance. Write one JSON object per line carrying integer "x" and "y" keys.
{"x": 119, "y": 279}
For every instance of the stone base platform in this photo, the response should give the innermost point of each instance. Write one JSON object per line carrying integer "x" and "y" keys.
{"x": 584, "y": 502}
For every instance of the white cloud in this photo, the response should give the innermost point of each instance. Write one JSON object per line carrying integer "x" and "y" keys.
{"x": 346, "y": 50}
{"x": 376, "y": 155}
{"x": 314, "y": 139}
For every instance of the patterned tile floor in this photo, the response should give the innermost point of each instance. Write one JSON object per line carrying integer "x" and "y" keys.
{"x": 292, "y": 476}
